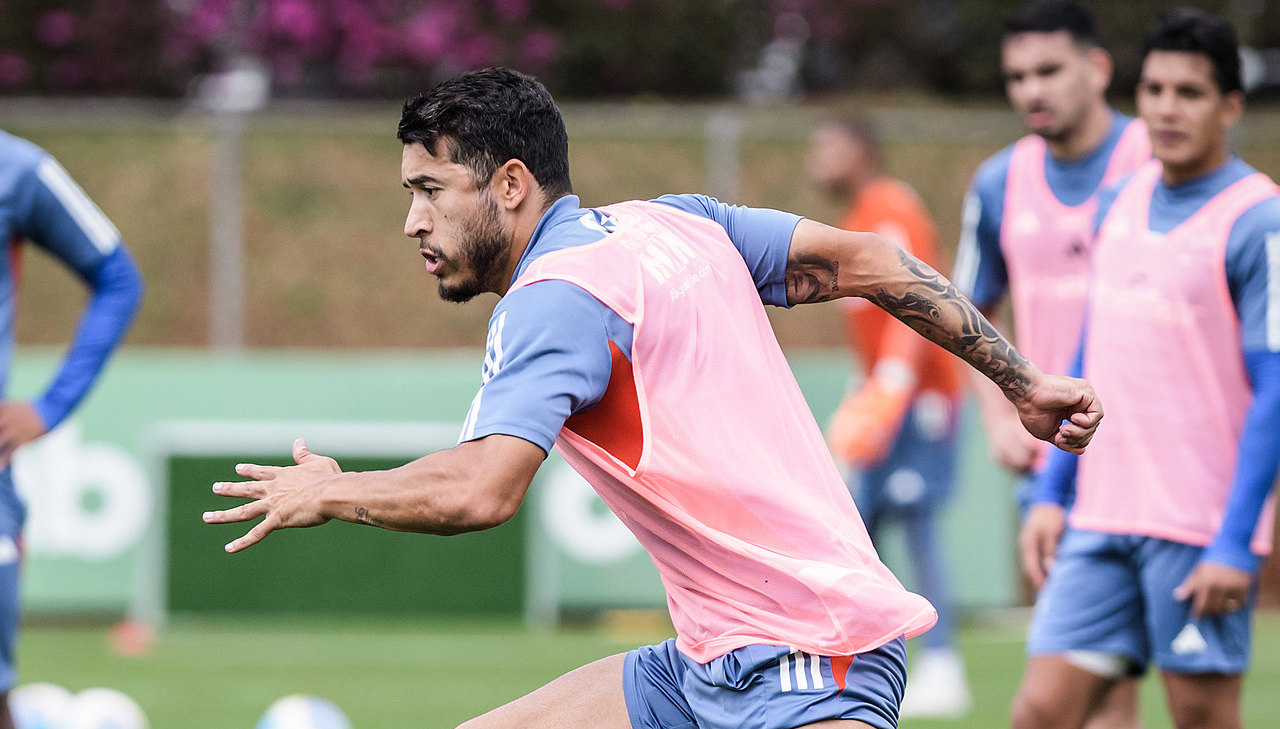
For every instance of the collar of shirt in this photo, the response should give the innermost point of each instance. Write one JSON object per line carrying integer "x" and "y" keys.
{"x": 564, "y": 225}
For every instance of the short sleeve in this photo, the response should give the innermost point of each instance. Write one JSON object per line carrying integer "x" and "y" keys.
{"x": 59, "y": 217}
{"x": 761, "y": 235}
{"x": 979, "y": 271}
{"x": 547, "y": 356}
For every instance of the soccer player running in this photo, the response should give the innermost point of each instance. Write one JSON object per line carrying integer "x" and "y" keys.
{"x": 40, "y": 203}
{"x": 1028, "y": 222}
{"x": 1171, "y": 511}
{"x": 634, "y": 338}
{"x": 897, "y": 429}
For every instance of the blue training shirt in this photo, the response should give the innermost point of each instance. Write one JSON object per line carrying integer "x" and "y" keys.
{"x": 39, "y": 202}
{"x": 980, "y": 272}
{"x": 548, "y": 349}
{"x": 1253, "y": 278}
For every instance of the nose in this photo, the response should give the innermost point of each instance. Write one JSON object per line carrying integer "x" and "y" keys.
{"x": 1032, "y": 88}
{"x": 1166, "y": 103}
{"x": 418, "y": 222}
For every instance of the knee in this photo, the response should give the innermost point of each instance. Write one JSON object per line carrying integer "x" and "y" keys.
{"x": 1032, "y": 712}
{"x": 1203, "y": 716}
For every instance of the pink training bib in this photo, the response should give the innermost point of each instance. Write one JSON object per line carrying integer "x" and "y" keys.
{"x": 706, "y": 449}
{"x": 1163, "y": 354}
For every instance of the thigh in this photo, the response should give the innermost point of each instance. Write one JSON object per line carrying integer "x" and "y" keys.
{"x": 1119, "y": 708}
{"x": 590, "y": 697}
{"x": 1203, "y": 700}
{"x": 1181, "y": 643}
{"x": 1055, "y": 694}
{"x": 1091, "y": 601}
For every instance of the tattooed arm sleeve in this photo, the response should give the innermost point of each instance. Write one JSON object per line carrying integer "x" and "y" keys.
{"x": 826, "y": 263}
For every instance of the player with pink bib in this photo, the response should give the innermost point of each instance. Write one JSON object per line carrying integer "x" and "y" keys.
{"x": 633, "y": 337}
{"x": 1029, "y": 213}
{"x": 1172, "y": 511}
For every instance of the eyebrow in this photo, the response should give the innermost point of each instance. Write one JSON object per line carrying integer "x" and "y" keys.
{"x": 420, "y": 180}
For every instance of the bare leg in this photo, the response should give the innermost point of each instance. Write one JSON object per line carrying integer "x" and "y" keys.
{"x": 1203, "y": 700}
{"x": 589, "y": 697}
{"x": 1119, "y": 708}
{"x": 6, "y": 720}
{"x": 1056, "y": 694}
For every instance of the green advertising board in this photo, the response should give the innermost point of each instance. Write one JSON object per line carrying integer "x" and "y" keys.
{"x": 117, "y": 492}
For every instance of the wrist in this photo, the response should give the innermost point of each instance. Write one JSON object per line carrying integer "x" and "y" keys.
{"x": 329, "y": 500}
{"x": 1238, "y": 557}
{"x": 1021, "y": 381}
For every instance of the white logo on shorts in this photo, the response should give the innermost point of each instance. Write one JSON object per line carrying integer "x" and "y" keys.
{"x": 1189, "y": 641}
{"x": 803, "y": 673}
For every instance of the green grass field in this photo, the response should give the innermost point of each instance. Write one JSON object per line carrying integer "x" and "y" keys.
{"x": 222, "y": 673}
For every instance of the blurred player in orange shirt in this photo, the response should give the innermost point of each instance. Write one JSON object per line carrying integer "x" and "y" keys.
{"x": 896, "y": 428}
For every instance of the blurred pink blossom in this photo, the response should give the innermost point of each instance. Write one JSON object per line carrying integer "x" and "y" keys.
{"x": 58, "y": 28}
{"x": 296, "y": 20}
{"x": 209, "y": 21}
{"x": 512, "y": 10}
{"x": 14, "y": 69}
{"x": 539, "y": 47}
{"x": 477, "y": 51}
{"x": 427, "y": 35}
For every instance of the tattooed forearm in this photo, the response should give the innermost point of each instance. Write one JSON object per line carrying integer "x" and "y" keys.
{"x": 364, "y": 517}
{"x": 933, "y": 307}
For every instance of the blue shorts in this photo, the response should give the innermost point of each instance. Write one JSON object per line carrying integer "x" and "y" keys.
{"x": 918, "y": 473}
{"x": 1113, "y": 593}
{"x": 763, "y": 687}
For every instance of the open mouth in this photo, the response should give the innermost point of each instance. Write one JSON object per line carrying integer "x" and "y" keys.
{"x": 433, "y": 260}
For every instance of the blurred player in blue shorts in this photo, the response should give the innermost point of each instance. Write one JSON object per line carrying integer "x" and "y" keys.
{"x": 633, "y": 338}
{"x": 1028, "y": 221}
{"x": 896, "y": 428}
{"x": 40, "y": 203}
{"x": 1172, "y": 512}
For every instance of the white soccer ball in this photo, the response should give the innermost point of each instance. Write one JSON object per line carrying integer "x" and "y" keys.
{"x": 40, "y": 706}
{"x": 301, "y": 711}
{"x": 105, "y": 708}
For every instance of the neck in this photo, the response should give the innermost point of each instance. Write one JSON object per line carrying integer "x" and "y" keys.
{"x": 525, "y": 223}
{"x": 1085, "y": 137}
{"x": 1180, "y": 174}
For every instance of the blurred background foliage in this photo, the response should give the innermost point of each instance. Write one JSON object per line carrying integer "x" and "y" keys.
{"x": 580, "y": 48}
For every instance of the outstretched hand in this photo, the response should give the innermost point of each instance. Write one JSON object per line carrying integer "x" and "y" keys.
{"x": 287, "y": 496}
{"x": 1062, "y": 410}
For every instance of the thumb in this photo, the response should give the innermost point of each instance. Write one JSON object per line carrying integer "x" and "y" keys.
{"x": 300, "y": 451}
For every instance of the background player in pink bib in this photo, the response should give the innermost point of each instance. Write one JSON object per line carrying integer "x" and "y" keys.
{"x": 1029, "y": 218}
{"x": 1172, "y": 515}
{"x": 633, "y": 337}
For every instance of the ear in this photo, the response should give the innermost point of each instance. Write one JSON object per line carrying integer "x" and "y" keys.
{"x": 1101, "y": 67}
{"x": 513, "y": 183}
{"x": 1232, "y": 108}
